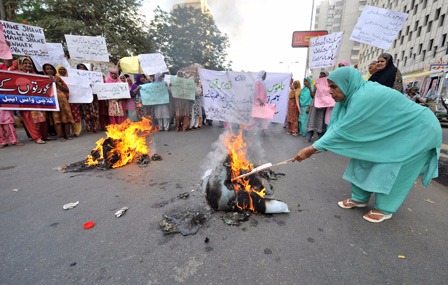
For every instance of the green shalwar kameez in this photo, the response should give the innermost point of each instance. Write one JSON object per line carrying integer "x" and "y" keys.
{"x": 390, "y": 139}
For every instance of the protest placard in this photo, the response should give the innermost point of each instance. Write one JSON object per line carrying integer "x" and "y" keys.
{"x": 322, "y": 97}
{"x": 378, "y": 27}
{"x": 228, "y": 96}
{"x": 5, "y": 50}
{"x": 182, "y": 88}
{"x": 106, "y": 91}
{"x": 80, "y": 90}
{"x": 87, "y": 48}
{"x": 24, "y": 39}
{"x": 55, "y": 57}
{"x": 25, "y": 91}
{"x": 152, "y": 63}
{"x": 324, "y": 50}
{"x": 154, "y": 93}
{"x": 92, "y": 76}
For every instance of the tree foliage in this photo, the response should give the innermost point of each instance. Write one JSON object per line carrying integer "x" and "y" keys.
{"x": 117, "y": 20}
{"x": 186, "y": 36}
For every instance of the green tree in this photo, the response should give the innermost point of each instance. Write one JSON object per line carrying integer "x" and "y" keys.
{"x": 117, "y": 20}
{"x": 186, "y": 36}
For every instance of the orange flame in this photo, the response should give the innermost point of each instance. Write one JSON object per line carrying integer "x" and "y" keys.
{"x": 237, "y": 149}
{"x": 129, "y": 140}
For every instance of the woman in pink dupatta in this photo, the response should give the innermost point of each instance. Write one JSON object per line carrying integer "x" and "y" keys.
{"x": 117, "y": 107}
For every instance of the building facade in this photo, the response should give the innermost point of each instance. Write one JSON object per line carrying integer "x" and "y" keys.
{"x": 421, "y": 42}
{"x": 340, "y": 16}
{"x": 197, "y": 4}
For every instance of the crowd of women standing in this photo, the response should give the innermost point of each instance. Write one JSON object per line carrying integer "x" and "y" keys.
{"x": 74, "y": 118}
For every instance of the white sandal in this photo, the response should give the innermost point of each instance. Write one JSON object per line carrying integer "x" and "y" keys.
{"x": 349, "y": 204}
{"x": 381, "y": 216}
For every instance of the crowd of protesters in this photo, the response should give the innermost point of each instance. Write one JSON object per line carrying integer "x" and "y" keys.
{"x": 74, "y": 119}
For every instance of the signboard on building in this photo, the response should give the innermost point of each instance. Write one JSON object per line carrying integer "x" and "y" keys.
{"x": 302, "y": 38}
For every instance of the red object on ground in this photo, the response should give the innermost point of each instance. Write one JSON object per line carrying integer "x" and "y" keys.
{"x": 89, "y": 225}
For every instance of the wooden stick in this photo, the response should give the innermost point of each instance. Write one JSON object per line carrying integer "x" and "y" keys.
{"x": 256, "y": 170}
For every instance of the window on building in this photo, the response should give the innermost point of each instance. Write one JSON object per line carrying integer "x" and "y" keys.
{"x": 410, "y": 36}
{"x": 431, "y": 42}
{"x": 425, "y": 3}
{"x": 395, "y": 43}
{"x": 429, "y": 27}
{"x": 404, "y": 8}
{"x": 420, "y": 47}
{"x": 424, "y": 54}
{"x": 442, "y": 44}
{"x": 416, "y": 26}
{"x": 410, "y": 51}
{"x": 426, "y": 20}
{"x": 402, "y": 54}
{"x": 437, "y": 14}
{"x": 441, "y": 20}
{"x": 401, "y": 40}
{"x": 405, "y": 60}
{"x": 413, "y": 57}
{"x": 419, "y": 31}
{"x": 435, "y": 51}
{"x": 415, "y": 9}
{"x": 407, "y": 30}
{"x": 412, "y": 3}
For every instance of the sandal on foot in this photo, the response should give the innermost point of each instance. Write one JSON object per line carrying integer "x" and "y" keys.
{"x": 40, "y": 141}
{"x": 349, "y": 204}
{"x": 379, "y": 217}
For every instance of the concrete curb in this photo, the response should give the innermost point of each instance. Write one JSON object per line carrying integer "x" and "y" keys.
{"x": 443, "y": 166}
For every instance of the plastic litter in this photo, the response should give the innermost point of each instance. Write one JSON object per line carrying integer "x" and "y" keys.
{"x": 70, "y": 205}
{"x": 89, "y": 225}
{"x": 121, "y": 212}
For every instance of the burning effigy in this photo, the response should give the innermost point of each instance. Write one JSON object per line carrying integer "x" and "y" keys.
{"x": 225, "y": 191}
{"x": 124, "y": 143}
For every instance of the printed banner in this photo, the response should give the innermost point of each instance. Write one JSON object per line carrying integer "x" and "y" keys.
{"x": 24, "y": 91}
{"x": 55, "y": 57}
{"x": 152, "y": 63}
{"x": 5, "y": 50}
{"x": 106, "y": 91}
{"x": 93, "y": 77}
{"x": 228, "y": 96}
{"x": 24, "y": 39}
{"x": 182, "y": 88}
{"x": 378, "y": 27}
{"x": 324, "y": 50}
{"x": 87, "y": 48}
{"x": 154, "y": 93}
{"x": 322, "y": 98}
{"x": 80, "y": 90}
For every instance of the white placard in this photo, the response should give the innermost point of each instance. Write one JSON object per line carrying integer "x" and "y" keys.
{"x": 324, "y": 50}
{"x": 87, "y": 48}
{"x": 106, "y": 91}
{"x": 378, "y": 27}
{"x": 92, "y": 76}
{"x": 80, "y": 90}
{"x": 152, "y": 63}
{"x": 25, "y": 39}
{"x": 55, "y": 57}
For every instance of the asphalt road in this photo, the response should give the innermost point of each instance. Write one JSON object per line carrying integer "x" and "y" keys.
{"x": 316, "y": 243}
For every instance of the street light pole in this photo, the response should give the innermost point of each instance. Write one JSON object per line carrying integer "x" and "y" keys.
{"x": 308, "y": 51}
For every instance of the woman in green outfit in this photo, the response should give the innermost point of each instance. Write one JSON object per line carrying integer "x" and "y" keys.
{"x": 305, "y": 98}
{"x": 390, "y": 140}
